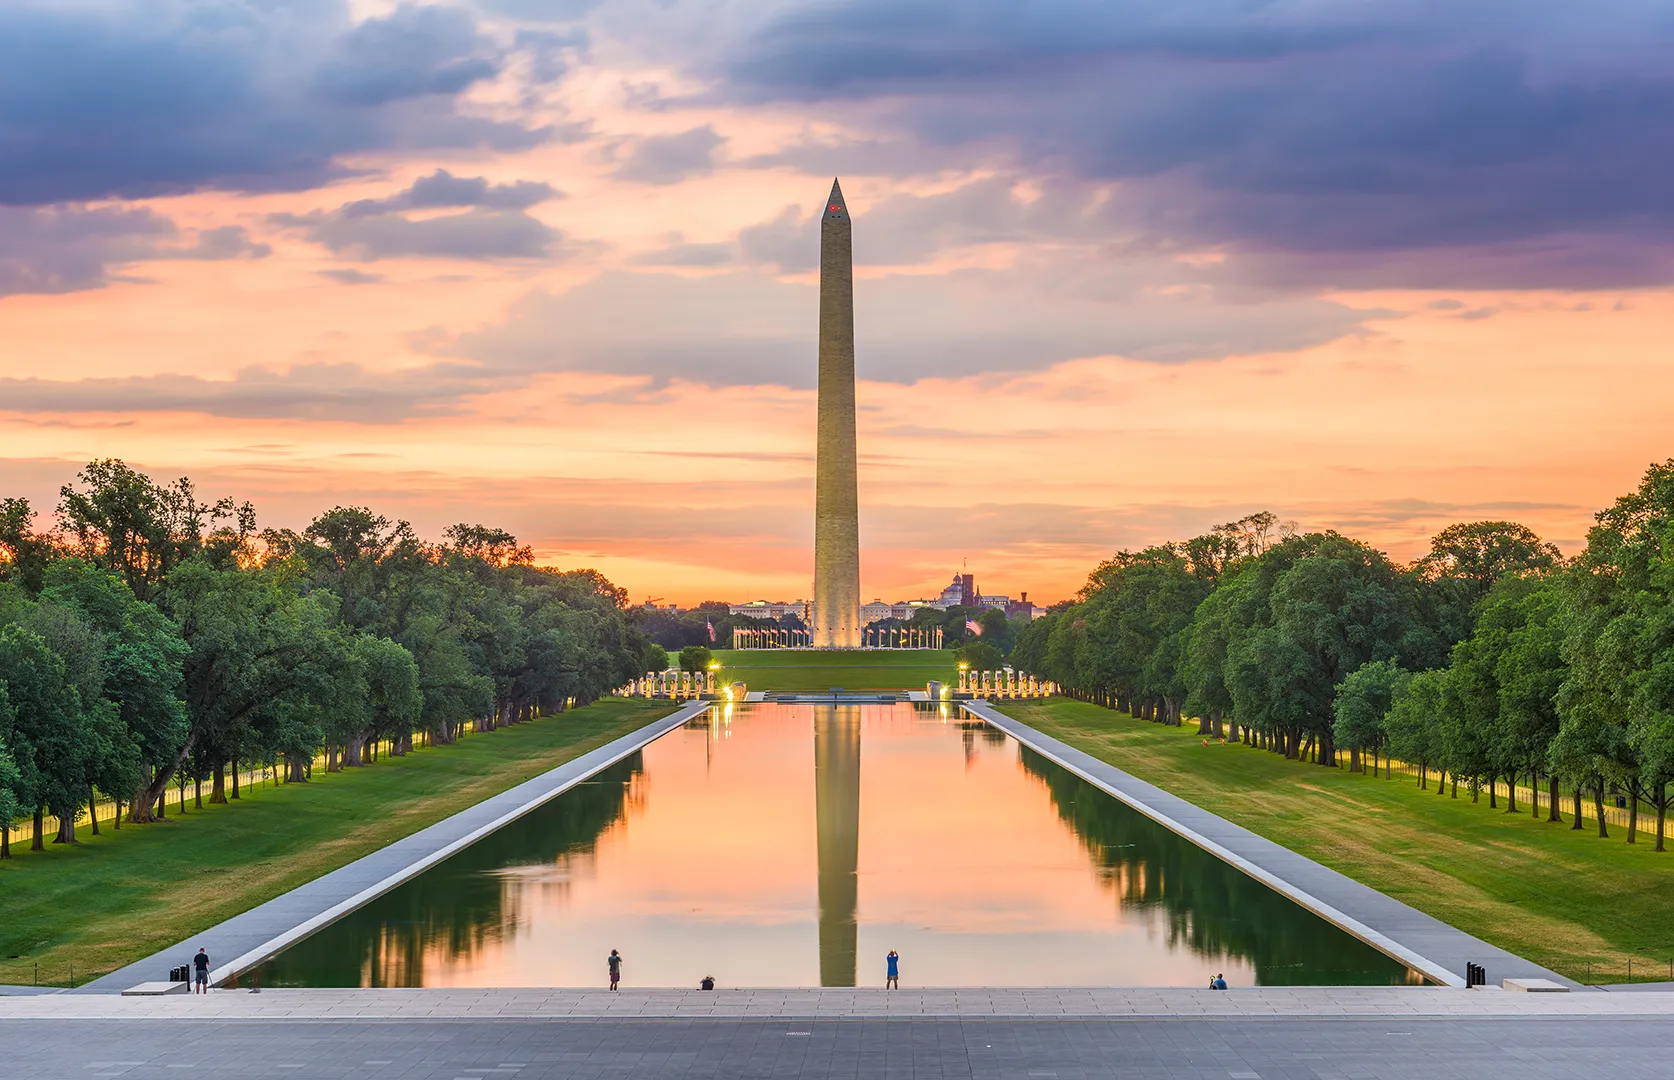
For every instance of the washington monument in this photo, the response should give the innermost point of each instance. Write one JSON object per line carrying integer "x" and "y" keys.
{"x": 836, "y": 505}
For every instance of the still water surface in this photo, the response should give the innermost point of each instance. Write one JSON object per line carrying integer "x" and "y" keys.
{"x": 795, "y": 845}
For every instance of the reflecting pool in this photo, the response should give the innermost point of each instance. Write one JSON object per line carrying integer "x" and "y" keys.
{"x": 796, "y": 845}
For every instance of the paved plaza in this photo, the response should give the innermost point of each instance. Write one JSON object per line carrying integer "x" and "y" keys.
{"x": 840, "y": 1004}
{"x": 1187, "y": 1048}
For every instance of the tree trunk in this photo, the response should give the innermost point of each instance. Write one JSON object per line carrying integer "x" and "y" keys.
{"x": 92, "y": 810}
{"x": 1534, "y": 794}
{"x": 152, "y": 794}
{"x": 1511, "y": 793}
{"x": 353, "y": 752}
{"x": 1598, "y": 808}
{"x": 39, "y": 842}
{"x": 197, "y": 792}
{"x": 1662, "y": 810}
{"x": 1553, "y": 811}
{"x": 1577, "y": 823}
{"x": 1423, "y": 776}
{"x": 234, "y": 794}
{"x": 218, "y": 785}
{"x": 1633, "y": 812}
{"x": 1328, "y": 750}
{"x": 66, "y": 828}
{"x": 1455, "y": 786}
{"x": 1354, "y": 760}
{"x": 5, "y": 839}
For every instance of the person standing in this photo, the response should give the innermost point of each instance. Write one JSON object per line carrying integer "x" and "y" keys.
{"x": 615, "y": 963}
{"x": 892, "y": 971}
{"x": 200, "y": 973}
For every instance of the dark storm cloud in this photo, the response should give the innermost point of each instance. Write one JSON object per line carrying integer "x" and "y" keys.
{"x": 443, "y": 190}
{"x": 226, "y": 242}
{"x": 348, "y": 275}
{"x": 491, "y": 223}
{"x": 1336, "y": 135}
{"x": 140, "y": 98}
{"x": 67, "y": 249}
{"x": 54, "y": 251}
{"x": 669, "y": 159}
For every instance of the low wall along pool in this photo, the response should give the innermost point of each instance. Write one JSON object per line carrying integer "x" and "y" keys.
{"x": 796, "y": 845}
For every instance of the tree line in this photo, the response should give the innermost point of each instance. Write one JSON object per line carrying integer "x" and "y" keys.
{"x": 1490, "y": 658}
{"x": 148, "y": 637}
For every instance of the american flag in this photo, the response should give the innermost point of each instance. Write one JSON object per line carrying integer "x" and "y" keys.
{"x": 711, "y": 624}
{"x": 973, "y": 627}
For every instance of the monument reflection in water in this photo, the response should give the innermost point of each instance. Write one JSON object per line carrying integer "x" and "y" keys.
{"x": 795, "y": 845}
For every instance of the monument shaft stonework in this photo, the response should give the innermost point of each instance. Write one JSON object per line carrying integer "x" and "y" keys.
{"x": 836, "y": 500}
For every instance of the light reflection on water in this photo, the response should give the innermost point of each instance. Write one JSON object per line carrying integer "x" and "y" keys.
{"x": 795, "y": 845}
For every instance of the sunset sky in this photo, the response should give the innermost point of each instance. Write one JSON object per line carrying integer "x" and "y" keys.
{"x": 1125, "y": 269}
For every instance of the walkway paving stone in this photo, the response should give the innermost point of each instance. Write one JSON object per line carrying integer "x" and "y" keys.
{"x": 859, "y": 1004}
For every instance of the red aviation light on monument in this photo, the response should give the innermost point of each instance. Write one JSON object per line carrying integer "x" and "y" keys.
{"x": 835, "y": 208}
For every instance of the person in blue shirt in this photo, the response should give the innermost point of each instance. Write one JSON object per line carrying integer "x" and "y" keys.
{"x": 892, "y": 971}
{"x": 1218, "y": 983}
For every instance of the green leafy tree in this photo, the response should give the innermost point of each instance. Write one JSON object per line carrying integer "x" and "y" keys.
{"x": 1411, "y": 724}
{"x": 1616, "y": 705}
{"x": 143, "y": 657}
{"x": 1361, "y": 706}
{"x": 51, "y": 731}
{"x": 695, "y": 658}
{"x": 24, "y": 553}
{"x": 14, "y": 796}
{"x": 979, "y": 655}
{"x": 123, "y": 521}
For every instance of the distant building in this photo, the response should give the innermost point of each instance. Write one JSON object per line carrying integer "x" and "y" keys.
{"x": 876, "y": 611}
{"x": 1022, "y": 607}
{"x": 963, "y": 593}
{"x": 770, "y": 609}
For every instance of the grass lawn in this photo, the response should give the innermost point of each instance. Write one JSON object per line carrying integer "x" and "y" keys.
{"x": 861, "y": 669}
{"x": 1563, "y": 899}
{"x": 124, "y": 895}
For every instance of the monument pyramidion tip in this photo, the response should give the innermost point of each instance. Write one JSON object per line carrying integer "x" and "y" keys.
{"x": 834, "y": 206}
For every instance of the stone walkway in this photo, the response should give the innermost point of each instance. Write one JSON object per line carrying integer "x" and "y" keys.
{"x": 1098, "y": 1003}
{"x": 1427, "y": 944}
{"x": 1240, "y": 1048}
{"x": 245, "y": 940}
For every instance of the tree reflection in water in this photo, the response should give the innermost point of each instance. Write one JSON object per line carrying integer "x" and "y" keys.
{"x": 1210, "y": 907}
{"x": 473, "y": 899}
